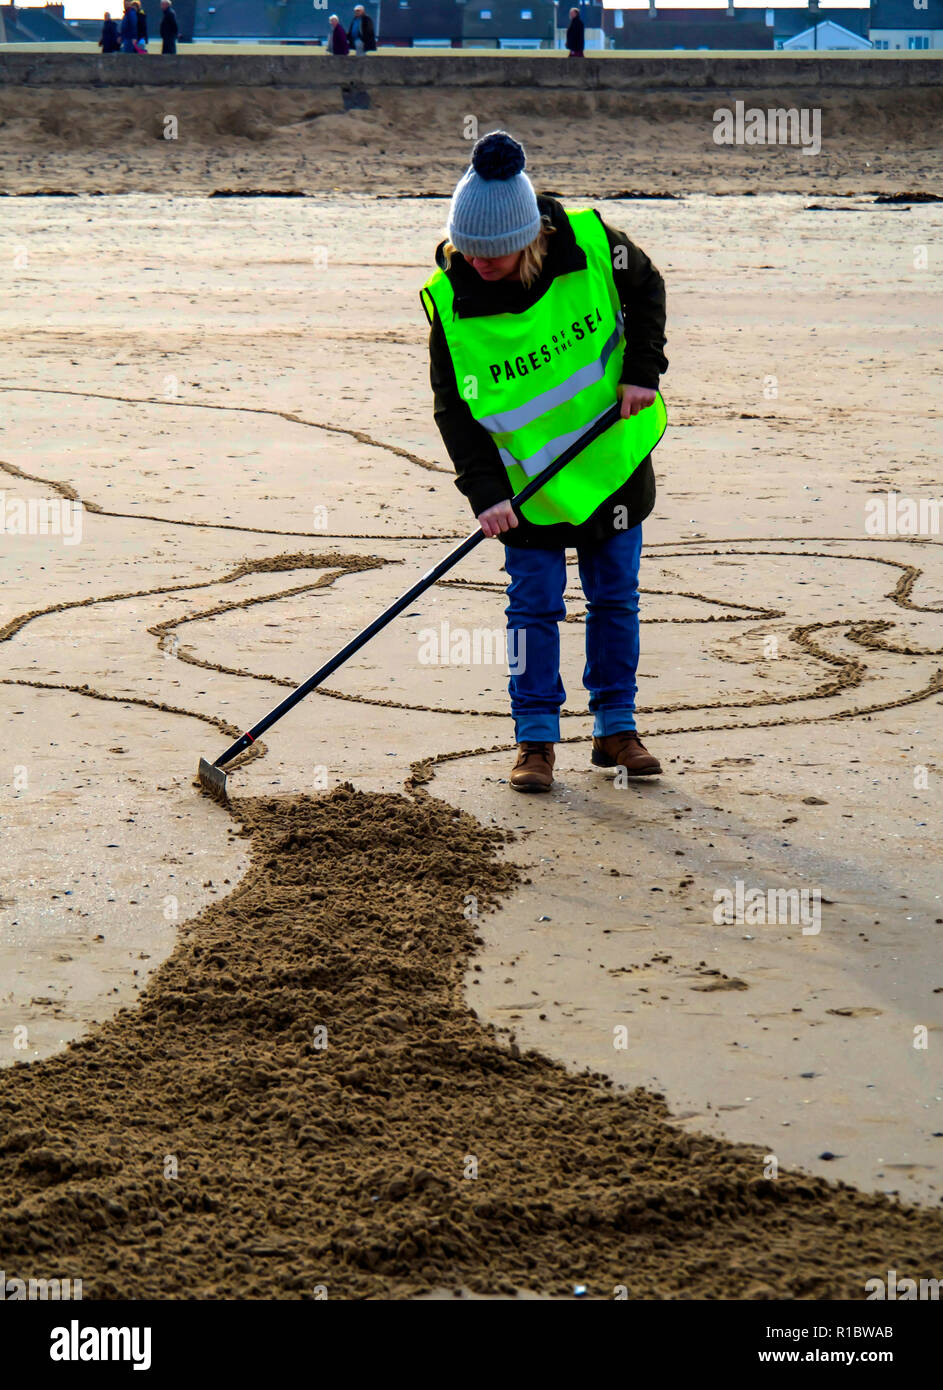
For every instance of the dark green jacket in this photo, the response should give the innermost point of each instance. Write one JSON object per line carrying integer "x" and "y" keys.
{"x": 480, "y": 472}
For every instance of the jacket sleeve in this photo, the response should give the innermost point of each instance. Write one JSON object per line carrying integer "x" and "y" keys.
{"x": 642, "y": 295}
{"x": 480, "y": 472}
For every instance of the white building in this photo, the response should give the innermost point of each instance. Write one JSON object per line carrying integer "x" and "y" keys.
{"x": 826, "y": 35}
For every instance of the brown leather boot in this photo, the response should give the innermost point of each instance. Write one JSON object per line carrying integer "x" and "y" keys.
{"x": 533, "y": 771}
{"x": 625, "y": 751}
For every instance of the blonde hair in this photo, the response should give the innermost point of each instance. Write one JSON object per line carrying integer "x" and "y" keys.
{"x": 532, "y": 257}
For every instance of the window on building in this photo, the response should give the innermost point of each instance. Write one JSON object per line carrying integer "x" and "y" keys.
{"x": 484, "y": 14}
{"x": 918, "y": 41}
{"x": 527, "y": 14}
{"x": 619, "y": 21}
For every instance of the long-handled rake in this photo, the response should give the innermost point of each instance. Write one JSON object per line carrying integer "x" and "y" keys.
{"x": 211, "y": 775}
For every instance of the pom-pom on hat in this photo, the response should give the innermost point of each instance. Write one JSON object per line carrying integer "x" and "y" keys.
{"x": 494, "y": 208}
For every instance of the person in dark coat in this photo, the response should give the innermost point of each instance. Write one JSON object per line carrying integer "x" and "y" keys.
{"x": 129, "y": 28}
{"x": 337, "y": 42}
{"x": 168, "y": 27}
{"x": 142, "y": 26}
{"x": 361, "y": 34}
{"x": 109, "y": 41}
{"x": 575, "y": 35}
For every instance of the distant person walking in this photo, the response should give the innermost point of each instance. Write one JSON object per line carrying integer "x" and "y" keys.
{"x": 337, "y": 42}
{"x": 362, "y": 34}
{"x": 109, "y": 41}
{"x": 142, "y": 27}
{"x": 129, "y": 28}
{"x": 575, "y": 35}
{"x": 169, "y": 28}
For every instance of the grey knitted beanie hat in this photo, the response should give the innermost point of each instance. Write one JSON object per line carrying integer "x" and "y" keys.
{"x": 494, "y": 208}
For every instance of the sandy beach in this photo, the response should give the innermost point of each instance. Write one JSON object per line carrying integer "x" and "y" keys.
{"x": 236, "y": 391}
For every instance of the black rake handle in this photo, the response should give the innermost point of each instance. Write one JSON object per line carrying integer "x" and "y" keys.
{"x": 428, "y": 579}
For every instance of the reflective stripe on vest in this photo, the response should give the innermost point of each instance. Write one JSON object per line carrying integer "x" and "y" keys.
{"x": 546, "y": 455}
{"x": 538, "y": 379}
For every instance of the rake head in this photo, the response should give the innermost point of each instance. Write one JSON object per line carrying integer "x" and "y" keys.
{"x": 213, "y": 781}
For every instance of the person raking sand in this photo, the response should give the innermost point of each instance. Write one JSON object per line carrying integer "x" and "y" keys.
{"x": 540, "y": 320}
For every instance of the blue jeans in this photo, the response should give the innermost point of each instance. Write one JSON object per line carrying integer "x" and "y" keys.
{"x": 609, "y": 576}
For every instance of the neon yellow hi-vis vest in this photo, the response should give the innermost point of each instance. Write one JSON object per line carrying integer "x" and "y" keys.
{"x": 536, "y": 380}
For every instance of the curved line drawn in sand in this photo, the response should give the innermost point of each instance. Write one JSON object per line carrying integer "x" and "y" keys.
{"x": 288, "y": 415}
{"x": 850, "y": 674}
{"x": 258, "y": 749}
{"x": 755, "y": 611}
{"x": 67, "y": 491}
{"x": 422, "y": 770}
{"x": 93, "y": 694}
{"x": 269, "y": 564}
{"x": 351, "y": 565}
{"x": 900, "y": 594}
{"x": 867, "y": 637}
{"x": 187, "y": 656}
{"x": 653, "y": 548}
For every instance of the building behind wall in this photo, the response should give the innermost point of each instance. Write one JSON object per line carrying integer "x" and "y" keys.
{"x": 889, "y": 25}
{"x": 420, "y": 23}
{"x": 293, "y": 20}
{"x": 36, "y": 24}
{"x": 897, "y": 24}
{"x": 496, "y": 23}
{"x": 825, "y": 36}
{"x": 688, "y": 29}
{"x": 508, "y": 24}
{"x": 789, "y": 24}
